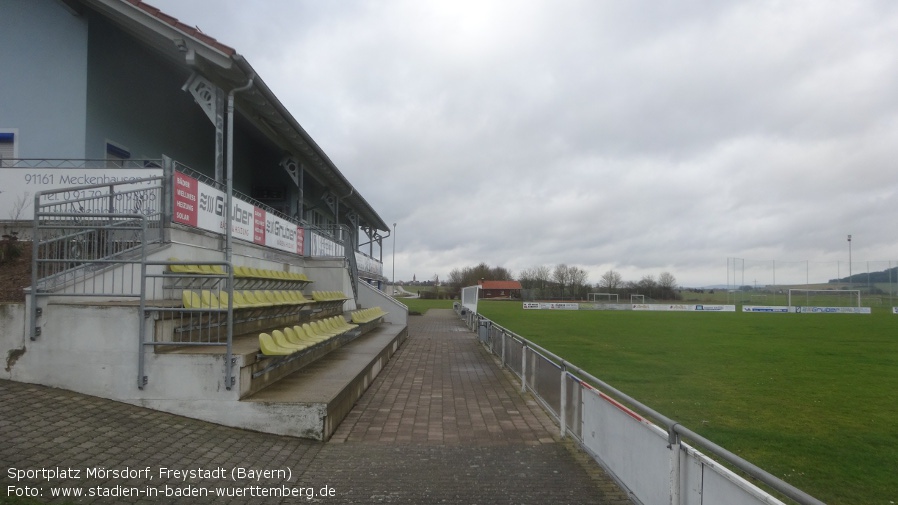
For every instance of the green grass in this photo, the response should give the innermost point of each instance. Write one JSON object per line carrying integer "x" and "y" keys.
{"x": 812, "y": 399}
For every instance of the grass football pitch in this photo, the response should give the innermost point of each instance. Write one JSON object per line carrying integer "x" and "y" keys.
{"x": 812, "y": 399}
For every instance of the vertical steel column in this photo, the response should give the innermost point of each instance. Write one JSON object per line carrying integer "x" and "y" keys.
{"x": 33, "y": 330}
{"x": 673, "y": 439}
{"x": 503, "y": 350}
{"x": 141, "y": 319}
{"x": 562, "y": 408}
{"x": 523, "y": 367}
{"x": 229, "y": 379}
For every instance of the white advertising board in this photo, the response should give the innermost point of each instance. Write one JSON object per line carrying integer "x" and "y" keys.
{"x": 202, "y": 206}
{"x": 767, "y": 309}
{"x": 833, "y": 310}
{"x": 19, "y": 185}
{"x": 550, "y": 306}
{"x": 678, "y": 307}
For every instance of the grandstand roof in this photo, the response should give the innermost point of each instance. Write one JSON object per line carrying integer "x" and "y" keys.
{"x": 195, "y": 51}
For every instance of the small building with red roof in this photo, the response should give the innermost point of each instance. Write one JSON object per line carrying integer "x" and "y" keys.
{"x": 500, "y": 289}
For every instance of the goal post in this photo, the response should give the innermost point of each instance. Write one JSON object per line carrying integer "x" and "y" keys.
{"x": 637, "y": 298}
{"x": 603, "y": 297}
{"x": 825, "y": 297}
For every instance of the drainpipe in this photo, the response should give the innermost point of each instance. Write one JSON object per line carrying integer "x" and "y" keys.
{"x": 229, "y": 178}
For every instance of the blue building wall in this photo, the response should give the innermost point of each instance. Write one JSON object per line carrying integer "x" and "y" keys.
{"x": 43, "y": 82}
{"x": 73, "y": 83}
{"x": 134, "y": 99}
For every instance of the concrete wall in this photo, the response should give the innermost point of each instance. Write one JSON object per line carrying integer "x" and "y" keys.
{"x": 92, "y": 349}
{"x": 369, "y": 296}
{"x": 44, "y": 67}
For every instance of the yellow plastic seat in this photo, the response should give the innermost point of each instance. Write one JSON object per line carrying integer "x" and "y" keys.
{"x": 342, "y": 323}
{"x": 270, "y": 348}
{"x": 281, "y": 297}
{"x": 294, "y": 339}
{"x": 281, "y": 340}
{"x": 323, "y": 329}
{"x": 223, "y": 300}
{"x": 314, "y": 333}
{"x": 251, "y": 297}
{"x": 241, "y": 301}
{"x": 210, "y": 301}
{"x": 307, "y": 336}
{"x": 191, "y": 300}
{"x": 178, "y": 269}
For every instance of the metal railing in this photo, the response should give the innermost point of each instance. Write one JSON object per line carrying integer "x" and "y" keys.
{"x": 652, "y": 462}
{"x": 176, "y": 324}
{"x": 92, "y": 240}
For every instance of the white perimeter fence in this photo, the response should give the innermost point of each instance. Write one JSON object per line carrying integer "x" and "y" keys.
{"x": 651, "y": 462}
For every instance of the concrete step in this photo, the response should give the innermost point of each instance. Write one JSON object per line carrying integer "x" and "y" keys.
{"x": 329, "y": 387}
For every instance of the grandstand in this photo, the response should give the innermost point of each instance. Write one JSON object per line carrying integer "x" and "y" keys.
{"x": 217, "y": 280}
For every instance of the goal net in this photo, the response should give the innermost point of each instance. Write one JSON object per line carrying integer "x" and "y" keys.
{"x": 825, "y": 297}
{"x": 637, "y": 298}
{"x": 603, "y": 297}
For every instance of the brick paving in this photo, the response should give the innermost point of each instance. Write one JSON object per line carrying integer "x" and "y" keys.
{"x": 442, "y": 423}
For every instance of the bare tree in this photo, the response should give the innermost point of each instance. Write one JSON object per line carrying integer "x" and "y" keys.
{"x": 610, "y": 281}
{"x": 577, "y": 278}
{"x": 647, "y": 285}
{"x": 667, "y": 285}
{"x": 667, "y": 281}
{"x": 562, "y": 277}
{"x": 542, "y": 274}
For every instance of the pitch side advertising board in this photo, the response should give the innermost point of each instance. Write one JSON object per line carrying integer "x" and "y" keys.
{"x": 550, "y": 306}
{"x": 199, "y": 205}
{"x": 678, "y": 307}
{"x": 768, "y": 309}
{"x": 833, "y": 310}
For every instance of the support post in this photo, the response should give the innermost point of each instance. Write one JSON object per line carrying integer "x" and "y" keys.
{"x": 673, "y": 439}
{"x": 562, "y": 407}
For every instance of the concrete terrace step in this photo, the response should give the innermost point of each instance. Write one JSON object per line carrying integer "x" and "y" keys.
{"x": 332, "y": 384}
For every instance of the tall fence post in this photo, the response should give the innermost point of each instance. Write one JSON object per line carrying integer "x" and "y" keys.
{"x": 673, "y": 439}
{"x": 523, "y": 367}
{"x": 503, "y": 349}
{"x": 562, "y": 409}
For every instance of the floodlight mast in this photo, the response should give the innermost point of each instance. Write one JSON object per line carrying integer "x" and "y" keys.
{"x": 850, "y": 283}
{"x": 394, "y": 260}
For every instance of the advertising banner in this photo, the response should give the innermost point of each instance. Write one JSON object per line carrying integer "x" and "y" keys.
{"x": 200, "y": 205}
{"x": 19, "y": 185}
{"x": 679, "y": 307}
{"x": 324, "y": 246}
{"x": 282, "y": 234}
{"x": 551, "y": 306}
{"x": 833, "y": 310}
{"x": 769, "y": 309}
{"x": 185, "y": 200}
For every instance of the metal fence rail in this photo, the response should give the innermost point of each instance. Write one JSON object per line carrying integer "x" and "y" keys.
{"x": 174, "y": 323}
{"x": 648, "y": 460}
{"x": 92, "y": 240}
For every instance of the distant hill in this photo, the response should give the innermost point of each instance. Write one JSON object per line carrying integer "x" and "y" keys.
{"x": 887, "y": 275}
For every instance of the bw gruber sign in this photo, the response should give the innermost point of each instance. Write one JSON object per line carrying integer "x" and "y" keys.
{"x": 199, "y": 205}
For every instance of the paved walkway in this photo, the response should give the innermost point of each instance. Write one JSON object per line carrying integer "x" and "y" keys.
{"x": 442, "y": 423}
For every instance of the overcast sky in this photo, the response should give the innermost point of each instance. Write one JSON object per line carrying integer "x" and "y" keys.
{"x": 639, "y": 136}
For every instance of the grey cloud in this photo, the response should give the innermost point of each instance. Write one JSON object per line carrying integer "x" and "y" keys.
{"x": 640, "y": 136}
